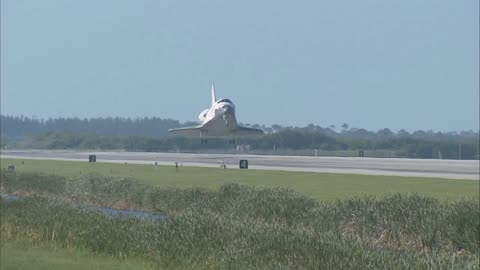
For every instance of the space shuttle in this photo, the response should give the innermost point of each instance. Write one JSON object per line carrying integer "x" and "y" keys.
{"x": 217, "y": 121}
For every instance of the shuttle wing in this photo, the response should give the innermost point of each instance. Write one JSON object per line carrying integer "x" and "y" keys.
{"x": 188, "y": 131}
{"x": 244, "y": 131}
{"x": 203, "y": 130}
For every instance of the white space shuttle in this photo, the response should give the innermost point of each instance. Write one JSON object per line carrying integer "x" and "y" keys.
{"x": 218, "y": 121}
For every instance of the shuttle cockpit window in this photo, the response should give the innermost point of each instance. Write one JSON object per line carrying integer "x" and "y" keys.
{"x": 224, "y": 100}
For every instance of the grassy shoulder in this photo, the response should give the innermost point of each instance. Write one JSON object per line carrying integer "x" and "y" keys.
{"x": 244, "y": 227}
{"x": 238, "y": 226}
{"x": 23, "y": 256}
{"x": 322, "y": 186}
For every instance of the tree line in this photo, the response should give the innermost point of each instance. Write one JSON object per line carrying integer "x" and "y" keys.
{"x": 21, "y": 126}
{"x": 150, "y": 134}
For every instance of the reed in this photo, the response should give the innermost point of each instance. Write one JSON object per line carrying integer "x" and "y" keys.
{"x": 244, "y": 227}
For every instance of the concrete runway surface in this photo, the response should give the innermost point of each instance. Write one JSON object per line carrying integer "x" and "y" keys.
{"x": 453, "y": 169}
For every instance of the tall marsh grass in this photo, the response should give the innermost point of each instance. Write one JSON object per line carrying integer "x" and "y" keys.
{"x": 243, "y": 227}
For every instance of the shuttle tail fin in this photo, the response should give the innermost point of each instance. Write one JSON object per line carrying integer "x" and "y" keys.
{"x": 214, "y": 99}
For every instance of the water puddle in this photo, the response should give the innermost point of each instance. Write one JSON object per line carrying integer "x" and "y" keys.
{"x": 118, "y": 213}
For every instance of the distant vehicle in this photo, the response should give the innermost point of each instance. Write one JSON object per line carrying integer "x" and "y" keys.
{"x": 218, "y": 121}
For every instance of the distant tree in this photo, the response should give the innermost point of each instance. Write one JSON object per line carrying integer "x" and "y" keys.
{"x": 268, "y": 130}
{"x": 310, "y": 127}
{"x": 276, "y": 127}
{"x": 419, "y": 134}
{"x": 345, "y": 126}
{"x": 385, "y": 133}
{"x": 403, "y": 133}
{"x": 470, "y": 134}
{"x": 358, "y": 133}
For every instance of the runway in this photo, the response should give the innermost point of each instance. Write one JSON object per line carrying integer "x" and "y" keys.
{"x": 452, "y": 169}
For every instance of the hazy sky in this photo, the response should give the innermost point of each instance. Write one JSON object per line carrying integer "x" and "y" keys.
{"x": 411, "y": 64}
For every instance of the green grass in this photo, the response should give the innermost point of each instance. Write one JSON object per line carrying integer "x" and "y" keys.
{"x": 23, "y": 256}
{"x": 322, "y": 186}
{"x": 245, "y": 227}
{"x": 235, "y": 226}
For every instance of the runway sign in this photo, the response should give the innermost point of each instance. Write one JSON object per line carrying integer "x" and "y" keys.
{"x": 243, "y": 164}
